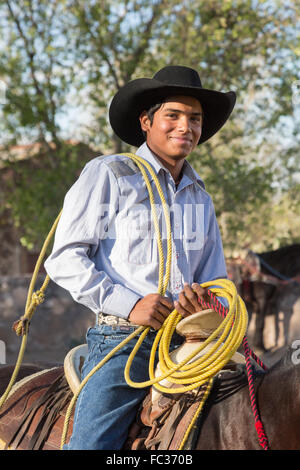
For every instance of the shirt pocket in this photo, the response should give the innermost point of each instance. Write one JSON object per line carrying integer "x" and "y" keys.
{"x": 140, "y": 238}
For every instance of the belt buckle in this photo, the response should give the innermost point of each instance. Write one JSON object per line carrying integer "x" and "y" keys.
{"x": 125, "y": 328}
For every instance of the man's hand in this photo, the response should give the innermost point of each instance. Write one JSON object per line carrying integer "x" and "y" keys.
{"x": 152, "y": 311}
{"x": 188, "y": 299}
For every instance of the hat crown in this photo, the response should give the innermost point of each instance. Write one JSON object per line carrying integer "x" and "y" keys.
{"x": 179, "y": 76}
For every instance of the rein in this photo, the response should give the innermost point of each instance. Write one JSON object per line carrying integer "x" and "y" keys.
{"x": 230, "y": 333}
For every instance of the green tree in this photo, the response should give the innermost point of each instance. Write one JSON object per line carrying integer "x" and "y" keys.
{"x": 87, "y": 50}
{"x": 37, "y": 65}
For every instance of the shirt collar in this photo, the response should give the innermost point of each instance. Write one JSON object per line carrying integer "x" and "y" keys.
{"x": 187, "y": 170}
{"x": 145, "y": 152}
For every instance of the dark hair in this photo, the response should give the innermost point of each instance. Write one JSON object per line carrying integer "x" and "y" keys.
{"x": 150, "y": 113}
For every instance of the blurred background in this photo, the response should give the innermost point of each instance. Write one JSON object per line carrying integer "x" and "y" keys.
{"x": 62, "y": 61}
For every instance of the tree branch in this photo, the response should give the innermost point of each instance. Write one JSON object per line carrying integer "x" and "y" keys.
{"x": 31, "y": 57}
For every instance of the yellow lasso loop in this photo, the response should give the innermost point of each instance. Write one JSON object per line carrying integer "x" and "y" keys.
{"x": 230, "y": 334}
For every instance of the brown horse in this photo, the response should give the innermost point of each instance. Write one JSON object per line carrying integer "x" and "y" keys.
{"x": 33, "y": 416}
{"x": 277, "y": 269}
{"x": 229, "y": 424}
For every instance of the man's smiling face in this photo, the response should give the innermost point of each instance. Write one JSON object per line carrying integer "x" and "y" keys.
{"x": 176, "y": 128}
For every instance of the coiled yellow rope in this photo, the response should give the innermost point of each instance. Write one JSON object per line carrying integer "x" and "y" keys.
{"x": 230, "y": 334}
{"x": 189, "y": 373}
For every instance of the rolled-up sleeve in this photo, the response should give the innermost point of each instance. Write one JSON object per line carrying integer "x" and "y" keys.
{"x": 89, "y": 206}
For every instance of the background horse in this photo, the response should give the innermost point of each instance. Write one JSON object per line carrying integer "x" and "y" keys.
{"x": 226, "y": 422}
{"x": 265, "y": 277}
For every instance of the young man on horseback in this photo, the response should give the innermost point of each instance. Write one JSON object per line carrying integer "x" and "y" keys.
{"x": 105, "y": 253}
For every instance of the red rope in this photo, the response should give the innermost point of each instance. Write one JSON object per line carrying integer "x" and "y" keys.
{"x": 219, "y": 307}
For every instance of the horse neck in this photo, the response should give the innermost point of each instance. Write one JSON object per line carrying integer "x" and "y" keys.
{"x": 279, "y": 402}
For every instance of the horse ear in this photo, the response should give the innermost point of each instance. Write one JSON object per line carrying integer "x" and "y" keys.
{"x": 290, "y": 357}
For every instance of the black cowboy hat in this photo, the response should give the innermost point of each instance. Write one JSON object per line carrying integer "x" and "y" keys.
{"x": 140, "y": 94}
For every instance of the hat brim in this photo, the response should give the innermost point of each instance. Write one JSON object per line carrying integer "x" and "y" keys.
{"x": 142, "y": 93}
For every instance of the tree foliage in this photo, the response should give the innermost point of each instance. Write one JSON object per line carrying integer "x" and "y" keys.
{"x": 59, "y": 55}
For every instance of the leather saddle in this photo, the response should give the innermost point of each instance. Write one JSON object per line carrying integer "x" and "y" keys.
{"x": 73, "y": 364}
{"x": 33, "y": 416}
{"x": 163, "y": 419}
{"x": 34, "y": 413}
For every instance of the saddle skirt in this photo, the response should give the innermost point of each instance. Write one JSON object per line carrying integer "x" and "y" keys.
{"x": 33, "y": 416}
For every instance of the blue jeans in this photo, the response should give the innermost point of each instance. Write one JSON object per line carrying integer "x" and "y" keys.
{"x": 107, "y": 406}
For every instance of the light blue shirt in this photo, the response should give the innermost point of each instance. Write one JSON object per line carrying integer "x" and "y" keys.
{"x": 105, "y": 249}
